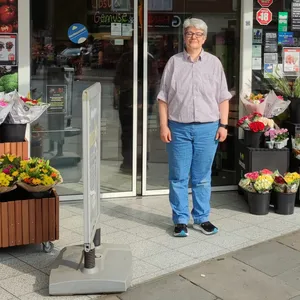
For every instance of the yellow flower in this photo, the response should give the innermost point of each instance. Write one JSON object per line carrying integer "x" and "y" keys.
{"x": 47, "y": 180}
{"x": 23, "y": 176}
{"x": 11, "y": 157}
{"x": 15, "y": 173}
{"x": 23, "y": 164}
{"x": 36, "y": 181}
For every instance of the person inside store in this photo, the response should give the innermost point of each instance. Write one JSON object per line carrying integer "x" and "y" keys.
{"x": 193, "y": 107}
{"x": 124, "y": 93}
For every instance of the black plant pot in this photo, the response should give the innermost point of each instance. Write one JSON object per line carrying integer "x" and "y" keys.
{"x": 259, "y": 203}
{"x": 295, "y": 110}
{"x": 284, "y": 203}
{"x": 252, "y": 139}
{"x": 12, "y": 133}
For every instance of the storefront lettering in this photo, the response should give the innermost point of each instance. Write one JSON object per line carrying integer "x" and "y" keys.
{"x": 104, "y": 19}
{"x": 101, "y": 4}
{"x": 159, "y": 20}
{"x": 176, "y": 21}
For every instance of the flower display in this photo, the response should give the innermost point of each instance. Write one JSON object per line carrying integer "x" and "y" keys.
{"x": 31, "y": 102}
{"x": 257, "y": 126}
{"x": 277, "y": 135}
{"x": 255, "y": 122}
{"x": 37, "y": 171}
{"x": 256, "y": 99}
{"x": 287, "y": 183}
{"x": 258, "y": 181}
{"x": 269, "y": 105}
{"x": 9, "y": 170}
{"x": 263, "y": 183}
{"x": 252, "y": 176}
{"x": 24, "y": 110}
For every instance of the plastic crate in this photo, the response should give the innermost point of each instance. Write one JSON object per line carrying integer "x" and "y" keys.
{"x": 255, "y": 159}
{"x": 291, "y": 127}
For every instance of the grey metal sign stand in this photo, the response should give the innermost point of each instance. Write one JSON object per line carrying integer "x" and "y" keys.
{"x": 91, "y": 268}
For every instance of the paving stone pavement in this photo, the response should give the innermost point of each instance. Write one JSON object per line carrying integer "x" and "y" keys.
{"x": 265, "y": 271}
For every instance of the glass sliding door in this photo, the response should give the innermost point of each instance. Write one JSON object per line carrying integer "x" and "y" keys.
{"x": 66, "y": 68}
{"x": 163, "y": 37}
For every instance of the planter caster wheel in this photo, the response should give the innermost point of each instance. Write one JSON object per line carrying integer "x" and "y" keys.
{"x": 48, "y": 247}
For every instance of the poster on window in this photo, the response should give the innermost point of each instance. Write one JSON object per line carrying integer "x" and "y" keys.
{"x": 8, "y": 49}
{"x": 257, "y": 36}
{"x": 9, "y": 16}
{"x": 291, "y": 61}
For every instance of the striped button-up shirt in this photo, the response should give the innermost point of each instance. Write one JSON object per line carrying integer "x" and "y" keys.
{"x": 193, "y": 90}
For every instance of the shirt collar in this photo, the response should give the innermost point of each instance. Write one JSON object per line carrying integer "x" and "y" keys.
{"x": 187, "y": 56}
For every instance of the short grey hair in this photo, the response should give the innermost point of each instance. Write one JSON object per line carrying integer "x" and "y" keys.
{"x": 197, "y": 23}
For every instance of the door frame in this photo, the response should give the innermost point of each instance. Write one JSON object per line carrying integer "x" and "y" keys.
{"x": 246, "y": 20}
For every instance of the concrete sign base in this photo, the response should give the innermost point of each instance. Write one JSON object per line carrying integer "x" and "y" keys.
{"x": 112, "y": 272}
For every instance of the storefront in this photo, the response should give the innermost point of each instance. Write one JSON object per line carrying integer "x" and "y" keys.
{"x": 124, "y": 55}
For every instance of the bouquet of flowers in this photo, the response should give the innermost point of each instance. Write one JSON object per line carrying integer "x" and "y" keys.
{"x": 279, "y": 137}
{"x": 269, "y": 105}
{"x": 296, "y": 146}
{"x": 6, "y": 104}
{"x": 258, "y": 181}
{"x": 289, "y": 183}
{"x": 255, "y": 122}
{"x": 24, "y": 109}
{"x": 36, "y": 175}
{"x": 9, "y": 166}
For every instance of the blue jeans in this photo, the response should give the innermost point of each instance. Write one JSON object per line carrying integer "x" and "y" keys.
{"x": 191, "y": 152}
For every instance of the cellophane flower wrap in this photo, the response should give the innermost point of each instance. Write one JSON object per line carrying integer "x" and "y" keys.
{"x": 296, "y": 147}
{"x": 287, "y": 183}
{"x": 258, "y": 181}
{"x": 269, "y": 105}
{"x": 25, "y": 110}
{"x": 6, "y": 103}
{"x": 37, "y": 172}
{"x": 9, "y": 170}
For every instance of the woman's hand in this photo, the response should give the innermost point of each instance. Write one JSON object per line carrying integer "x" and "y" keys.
{"x": 221, "y": 134}
{"x": 165, "y": 134}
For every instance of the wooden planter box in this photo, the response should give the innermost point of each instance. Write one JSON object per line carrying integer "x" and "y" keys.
{"x": 18, "y": 149}
{"x": 29, "y": 221}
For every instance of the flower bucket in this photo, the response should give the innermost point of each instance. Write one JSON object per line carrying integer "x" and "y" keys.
{"x": 284, "y": 203}
{"x": 295, "y": 110}
{"x": 252, "y": 139}
{"x": 259, "y": 203}
{"x": 12, "y": 133}
{"x": 280, "y": 145}
{"x": 270, "y": 144}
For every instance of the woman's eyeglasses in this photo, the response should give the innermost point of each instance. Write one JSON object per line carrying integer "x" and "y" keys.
{"x": 190, "y": 34}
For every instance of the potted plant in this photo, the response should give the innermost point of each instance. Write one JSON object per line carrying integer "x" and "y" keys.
{"x": 9, "y": 172}
{"x": 36, "y": 175}
{"x": 254, "y": 126}
{"x": 257, "y": 186}
{"x": 285, "y": 188}
{"x": 277, "y": 137}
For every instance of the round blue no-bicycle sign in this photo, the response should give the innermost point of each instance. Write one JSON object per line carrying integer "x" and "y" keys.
{"x": 78, "y": 33}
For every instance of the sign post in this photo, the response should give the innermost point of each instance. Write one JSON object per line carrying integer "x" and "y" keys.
{"x": 264, "y": 16}
{"x": 94, "y": 267}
